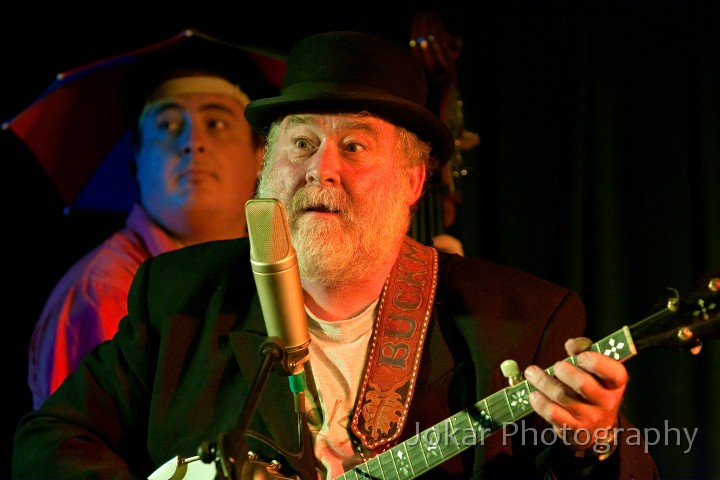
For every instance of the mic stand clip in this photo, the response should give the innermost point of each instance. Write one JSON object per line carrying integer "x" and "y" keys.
{"x": 230, "y": 452}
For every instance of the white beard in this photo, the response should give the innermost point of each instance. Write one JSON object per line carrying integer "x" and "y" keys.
{"x": 352, "y": 243}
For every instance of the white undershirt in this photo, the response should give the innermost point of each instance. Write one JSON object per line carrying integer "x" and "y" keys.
{"x": 338, "y": 352}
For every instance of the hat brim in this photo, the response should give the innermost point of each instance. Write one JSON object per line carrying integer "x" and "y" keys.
{"x": 263, "y": 112}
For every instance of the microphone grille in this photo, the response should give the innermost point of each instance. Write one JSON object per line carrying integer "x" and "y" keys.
{"x": 268, "y": 230}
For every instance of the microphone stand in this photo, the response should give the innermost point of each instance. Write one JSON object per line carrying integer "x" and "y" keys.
{"x": 230, "y": 451}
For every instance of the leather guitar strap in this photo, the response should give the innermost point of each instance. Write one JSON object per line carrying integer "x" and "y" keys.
{"x": 396, "y": 346}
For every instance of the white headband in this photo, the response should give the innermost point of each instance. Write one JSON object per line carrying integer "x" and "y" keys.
{"x": 194, "y": 84}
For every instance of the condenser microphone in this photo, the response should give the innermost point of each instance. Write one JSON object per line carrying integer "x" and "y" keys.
{"x": 277, "y": 278}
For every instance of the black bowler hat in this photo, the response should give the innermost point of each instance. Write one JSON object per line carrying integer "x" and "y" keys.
{"x": 342, "y": 72}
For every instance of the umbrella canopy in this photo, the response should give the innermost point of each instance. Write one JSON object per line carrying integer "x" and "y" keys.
{"x": 80, "y": 128}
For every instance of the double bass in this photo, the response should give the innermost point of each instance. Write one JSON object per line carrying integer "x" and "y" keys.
{"x": 438, "y": 51}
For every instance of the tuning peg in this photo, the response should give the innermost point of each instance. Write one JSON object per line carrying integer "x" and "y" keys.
{"x": 511, "y": 371}
{"x": 686, "y": 335}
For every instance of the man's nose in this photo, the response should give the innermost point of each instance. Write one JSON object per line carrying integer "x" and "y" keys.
{"x": 324, "y": 167}
{"x": 187, "y": 149}
{"x": 193, "y": 139}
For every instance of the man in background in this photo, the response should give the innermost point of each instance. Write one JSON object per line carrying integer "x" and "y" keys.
{"x": 196, "y": 164}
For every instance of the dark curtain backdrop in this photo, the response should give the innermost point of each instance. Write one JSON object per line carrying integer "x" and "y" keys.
{"x": 599, "y": 168}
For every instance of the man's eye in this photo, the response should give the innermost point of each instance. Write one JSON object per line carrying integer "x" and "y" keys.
{"x": 217, "y": 124}
{"x": 300, "y": 148}
{"x": 169, "y": 126}
{"x": 354, "y": 147}
{"x": 302, "y": 143}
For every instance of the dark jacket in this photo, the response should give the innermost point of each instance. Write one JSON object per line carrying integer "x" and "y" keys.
{"x": 176, "y": 374}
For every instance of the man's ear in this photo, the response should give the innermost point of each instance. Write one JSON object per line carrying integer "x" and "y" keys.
{"x": 416, "y": 179}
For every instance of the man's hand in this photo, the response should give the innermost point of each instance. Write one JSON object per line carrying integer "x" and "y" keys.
{"x": 448, "y": 243}
{"x": 580, "y": 402}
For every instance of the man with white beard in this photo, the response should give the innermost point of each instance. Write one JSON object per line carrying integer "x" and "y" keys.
{"x": 402, "y": 337}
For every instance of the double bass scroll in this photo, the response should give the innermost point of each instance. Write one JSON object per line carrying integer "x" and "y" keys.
{"x": 438, "y": 51}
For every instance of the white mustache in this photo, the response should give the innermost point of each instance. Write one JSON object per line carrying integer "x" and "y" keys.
{"x": 312, "y": 197}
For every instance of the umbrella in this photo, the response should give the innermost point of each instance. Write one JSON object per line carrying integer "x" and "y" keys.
{"x": 79, "y": 129}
